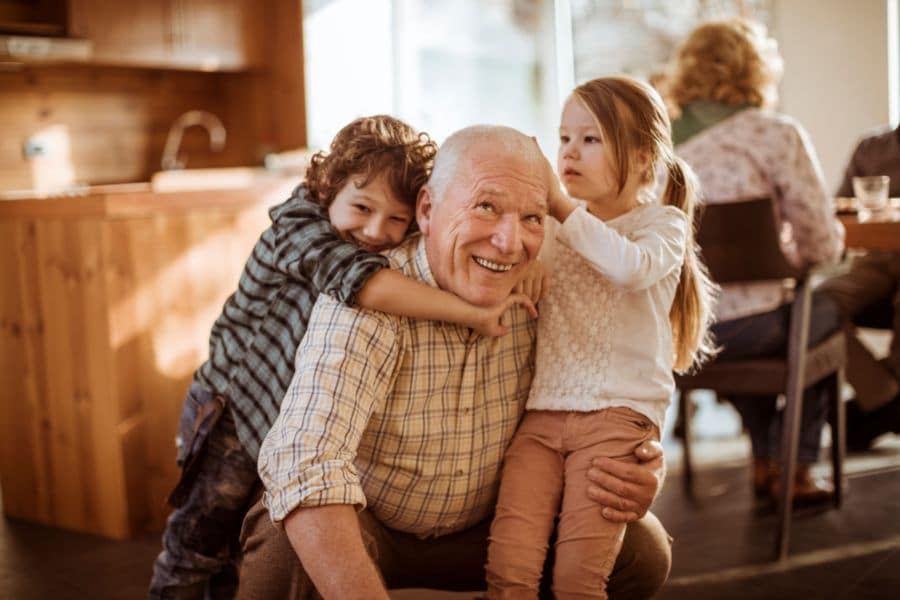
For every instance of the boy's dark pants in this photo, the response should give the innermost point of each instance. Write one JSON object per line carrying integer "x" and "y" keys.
{"x": 218, "y": 481}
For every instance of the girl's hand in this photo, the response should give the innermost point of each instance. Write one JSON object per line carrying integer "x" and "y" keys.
{"x": 559, "y": 205}
{"x": 534, "y": 283}
{"x": 488, "y": 320}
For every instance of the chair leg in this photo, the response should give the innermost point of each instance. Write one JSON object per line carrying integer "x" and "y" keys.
{"x": 837, "y": 422}
{"x": 684, "y": 405}
{"x": 790, "y": 437}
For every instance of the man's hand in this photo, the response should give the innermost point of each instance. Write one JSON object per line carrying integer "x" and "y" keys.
{"x": 534, "y": 283}
{"x": 626, "y": 490}
{"x": 488, "y": 320}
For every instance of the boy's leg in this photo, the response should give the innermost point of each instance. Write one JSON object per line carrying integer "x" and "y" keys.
{"x": 530, "y": 489}
{"x": 201, "y": 533}
{"x": 587, "y": 544}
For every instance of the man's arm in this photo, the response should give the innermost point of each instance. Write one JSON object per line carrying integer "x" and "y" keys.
{"x": 345, "y": 366}
{"x": 626, "y": 490}
{"x": 329, "y": 543}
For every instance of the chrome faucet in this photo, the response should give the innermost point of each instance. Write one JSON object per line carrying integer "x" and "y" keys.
{"x": 209, "y": 121}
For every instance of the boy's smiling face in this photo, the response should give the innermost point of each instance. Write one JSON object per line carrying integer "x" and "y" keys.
{"x": 371, "y": 216}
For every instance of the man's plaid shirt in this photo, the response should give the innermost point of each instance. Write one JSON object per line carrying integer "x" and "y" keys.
{"x": 253, "y": 342}
{"x": 410, "y": 418}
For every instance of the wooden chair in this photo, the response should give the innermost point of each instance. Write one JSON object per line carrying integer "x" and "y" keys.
{"x": 740, "y": 243}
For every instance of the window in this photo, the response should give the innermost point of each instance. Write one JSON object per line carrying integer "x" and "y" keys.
{"x": 438, "y": 65}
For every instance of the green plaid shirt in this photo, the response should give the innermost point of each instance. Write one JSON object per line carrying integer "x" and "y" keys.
{"x": 252, "y": 343}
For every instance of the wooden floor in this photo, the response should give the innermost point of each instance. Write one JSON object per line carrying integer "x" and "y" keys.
{"x": 722, "y": 543}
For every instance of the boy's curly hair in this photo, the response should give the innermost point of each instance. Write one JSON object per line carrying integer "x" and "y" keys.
{"x": 369, "y": 147}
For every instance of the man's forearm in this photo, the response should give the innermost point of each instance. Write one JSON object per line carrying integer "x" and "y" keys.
{"x": 328, "y": 541}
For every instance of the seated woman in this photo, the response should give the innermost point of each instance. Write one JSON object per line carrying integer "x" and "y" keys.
{"x": 723, "y": 82}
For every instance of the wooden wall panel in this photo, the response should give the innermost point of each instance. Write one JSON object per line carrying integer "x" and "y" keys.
{"x": 115, "y": 120}
{"x": 86, "y": 461}
{"x": 23, "y": 414}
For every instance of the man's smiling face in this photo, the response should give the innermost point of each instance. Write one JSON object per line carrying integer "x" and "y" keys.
{"x": 487, "y": 228}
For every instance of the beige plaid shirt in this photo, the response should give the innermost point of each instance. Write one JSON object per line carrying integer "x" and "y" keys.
{"x": 410, "y": 418}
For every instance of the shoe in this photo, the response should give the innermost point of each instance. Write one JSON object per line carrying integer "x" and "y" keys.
{"x": 763, "y": 470}
{"x": 864, "y": 427}
{"x": 808, "y": 488}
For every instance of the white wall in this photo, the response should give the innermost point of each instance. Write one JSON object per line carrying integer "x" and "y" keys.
{"x": 836, "y": 72}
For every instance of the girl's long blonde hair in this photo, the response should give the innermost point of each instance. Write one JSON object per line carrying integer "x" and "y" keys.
{"x": 633, "y": 120}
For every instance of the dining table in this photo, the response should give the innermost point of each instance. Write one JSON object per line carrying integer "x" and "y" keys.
{"x": 866, "y": 230}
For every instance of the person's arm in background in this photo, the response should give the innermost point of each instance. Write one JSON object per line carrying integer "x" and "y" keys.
{"x": 345, "y": 367}
{"x": 626, "y": 490}
{"x": 854, "y": 169}
{"x": 803, "y": 200}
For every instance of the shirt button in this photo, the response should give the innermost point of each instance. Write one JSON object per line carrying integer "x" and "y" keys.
{"x": 466, "y": 411}
{"x": 460, "y": 472}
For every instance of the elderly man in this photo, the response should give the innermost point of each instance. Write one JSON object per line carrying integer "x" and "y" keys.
{"x": 384, "y": 463}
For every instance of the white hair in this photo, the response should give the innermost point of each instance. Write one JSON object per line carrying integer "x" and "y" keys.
{"x": 504, "y": 141}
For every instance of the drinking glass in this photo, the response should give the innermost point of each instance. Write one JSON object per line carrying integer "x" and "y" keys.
{"x": 872, "y": 192}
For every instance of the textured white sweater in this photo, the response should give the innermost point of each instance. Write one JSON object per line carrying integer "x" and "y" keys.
{"x": 604, "y": 337}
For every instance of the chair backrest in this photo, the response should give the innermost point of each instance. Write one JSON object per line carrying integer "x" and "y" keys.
{"x": 740, "y": 242}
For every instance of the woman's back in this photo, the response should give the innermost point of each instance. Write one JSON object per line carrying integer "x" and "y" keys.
{"x": 757, "y": 153}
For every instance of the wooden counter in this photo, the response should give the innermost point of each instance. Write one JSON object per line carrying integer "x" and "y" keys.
{"x": 105, "y": 311}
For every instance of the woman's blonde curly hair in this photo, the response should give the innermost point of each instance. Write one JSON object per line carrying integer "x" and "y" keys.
{"x": 368, "y": 148}
{"x": 732, "y": 61}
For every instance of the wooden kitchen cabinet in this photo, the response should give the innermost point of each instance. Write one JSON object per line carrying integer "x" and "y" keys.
{"x": 105, "y": 313}
{"x": 216, "y": 34}
{"x": 208, "y": 35}
{"x": 33, "y": 17}
{"x": 123, "y": 33}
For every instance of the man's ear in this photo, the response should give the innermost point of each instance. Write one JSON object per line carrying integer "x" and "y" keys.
{"x": 424, "y": 205}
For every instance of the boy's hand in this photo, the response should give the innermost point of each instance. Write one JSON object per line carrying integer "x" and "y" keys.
{"x": 534, "y": 283}
{"x": 487, "y": 321}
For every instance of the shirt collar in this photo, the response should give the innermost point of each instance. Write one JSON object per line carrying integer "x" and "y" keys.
{"x": 421, "y": 267}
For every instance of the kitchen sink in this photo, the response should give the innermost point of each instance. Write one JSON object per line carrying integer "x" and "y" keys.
{"x": 183, "y": 180}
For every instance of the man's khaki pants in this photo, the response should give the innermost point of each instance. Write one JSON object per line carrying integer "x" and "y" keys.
{"x": 270, "y": 568}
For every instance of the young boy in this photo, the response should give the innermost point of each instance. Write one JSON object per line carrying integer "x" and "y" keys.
{"x": 358, "y": 199}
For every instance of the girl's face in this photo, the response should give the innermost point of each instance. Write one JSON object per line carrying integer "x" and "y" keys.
{"x": 370, "y": 216}
{"x": 584, "y": 161}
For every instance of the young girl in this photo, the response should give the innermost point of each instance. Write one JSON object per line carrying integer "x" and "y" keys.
{"x": 357, "y": 200}
{"x": 630, "y": 301}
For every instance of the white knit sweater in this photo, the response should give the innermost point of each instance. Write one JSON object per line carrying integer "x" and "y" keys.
{"x": 604, "y": 337}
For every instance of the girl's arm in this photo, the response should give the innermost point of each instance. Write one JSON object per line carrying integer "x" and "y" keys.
{"x": 392, "y": 292}
{"x": 635, "y": 262}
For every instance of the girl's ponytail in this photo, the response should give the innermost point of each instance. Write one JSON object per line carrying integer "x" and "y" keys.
{"x": 691, "y": 314}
